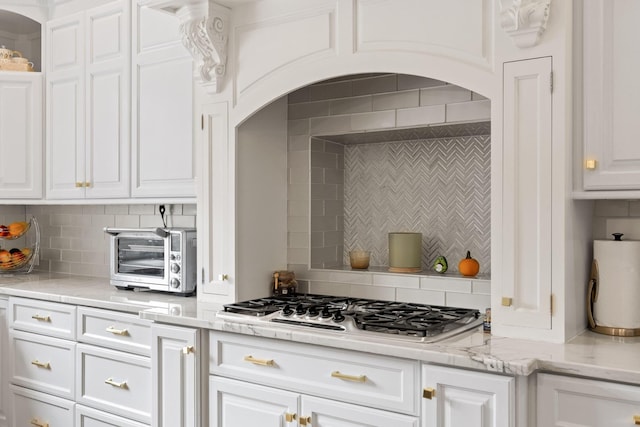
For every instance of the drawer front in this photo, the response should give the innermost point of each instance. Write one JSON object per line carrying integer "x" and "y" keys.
{"x": 119, "y": 331}
{"x": 378, "y": 381}
{"x": 34, "y": 409}
{"x": 89, "y": 417}
{"x": 42, "y": 363}
{"x": 42, "y": 317}
{"x": 115, "y": 382}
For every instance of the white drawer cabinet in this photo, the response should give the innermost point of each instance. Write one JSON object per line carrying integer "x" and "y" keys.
{"x": 366, "y": 379}
{"x": 119, "y": 331}
{"x": 578, "y": 402}
{"x": 43, "y": 363}
{"x": 42, "y": 317}
{"x": 89, "y": 417}
{"x": 35, "y": 409}
{"x": 114, "y": 381}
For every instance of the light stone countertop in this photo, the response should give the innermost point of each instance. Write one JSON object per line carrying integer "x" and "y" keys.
{"x": 589, "y": 354}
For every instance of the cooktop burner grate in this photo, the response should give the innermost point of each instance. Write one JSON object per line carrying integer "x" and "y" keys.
{"x": 337, "y": 313}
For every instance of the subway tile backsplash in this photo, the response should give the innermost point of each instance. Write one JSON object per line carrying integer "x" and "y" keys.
{"x": 72, "y": 237}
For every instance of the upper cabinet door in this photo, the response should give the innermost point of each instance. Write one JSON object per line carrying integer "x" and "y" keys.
{"x": 65, "y": 107}
{"x": 162, "y": 104}
{"x": 107, "y": 100}
{"x": 611, "y": 152}
{"x": 20, "y": 135}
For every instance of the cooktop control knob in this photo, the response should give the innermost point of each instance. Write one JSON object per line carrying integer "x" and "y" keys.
{"x": 338, "y": 317}
{"x": 313, "y": 312}
{"x": 175, "y": 268}
{"x": 287, "y": 310}
{"x": 175, "y": 283}
{"x": 326, "y": 314}
{"x": 300, "y": 310}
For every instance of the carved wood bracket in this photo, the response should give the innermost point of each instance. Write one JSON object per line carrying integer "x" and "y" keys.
{"x": 204, "y": 28}
{"x": 524, "y": 20}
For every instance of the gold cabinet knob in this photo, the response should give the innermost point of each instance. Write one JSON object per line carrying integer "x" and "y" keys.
{"x": 188, "y": 349}
{"x": 590, "y": 164}
{"x": 507, "y": 302}
{"x": 305, "y": 421}
{"x": 636, "y": 420}
{"x": 223, "y": 277}
{"x": 429, "y": 393}
{"x": 289, "y": 417}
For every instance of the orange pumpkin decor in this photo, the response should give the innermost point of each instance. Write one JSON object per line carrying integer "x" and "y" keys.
{"x": 468, "y": 266}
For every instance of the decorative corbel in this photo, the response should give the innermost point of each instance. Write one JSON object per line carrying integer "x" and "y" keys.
{"x": 524, "y": 20}
{"x": 205, "y": 31}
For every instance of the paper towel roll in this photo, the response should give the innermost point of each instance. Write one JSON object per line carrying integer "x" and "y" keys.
{"x": 619, "y": 283}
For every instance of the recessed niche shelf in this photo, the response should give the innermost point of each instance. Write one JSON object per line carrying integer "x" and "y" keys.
{"x": 383, "y": 270}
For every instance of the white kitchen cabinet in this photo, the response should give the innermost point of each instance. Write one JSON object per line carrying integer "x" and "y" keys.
{"x": 277, "y": 382}
{"x": 5, "y": 410}
{"x": 522, "y": 285}
{"x": 611, "y": 95}
{"x": 21, "y": 135}
{"x": 177, "y": 353}
{"x": 33, "y": 408}
{"x": 455, "y": 397}
{"x": 88, "y": 104}
{"x": 580, "y": 402}
{"x": 162, "y": 158}
{"x": 215, "y": 230}
{"x": 238, "y": 404}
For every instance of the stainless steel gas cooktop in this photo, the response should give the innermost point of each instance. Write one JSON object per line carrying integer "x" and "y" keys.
{"x": 357, "y": 316}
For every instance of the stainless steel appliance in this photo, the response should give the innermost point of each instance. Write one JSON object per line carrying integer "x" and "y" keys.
{"x": 356, "y": 316}
{"x": 160, "y": 259}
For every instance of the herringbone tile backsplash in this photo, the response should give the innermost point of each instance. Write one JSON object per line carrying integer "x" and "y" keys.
{"x": 439, "y": 187}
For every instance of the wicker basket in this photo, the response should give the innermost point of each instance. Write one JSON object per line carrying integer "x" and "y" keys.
{"x": 14, "y": 66}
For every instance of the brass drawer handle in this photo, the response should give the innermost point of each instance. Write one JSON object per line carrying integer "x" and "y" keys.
{"x": 122, "y": 385}
{"x": 36, "y": 422}
{"x": 41, "y": 318}
{"x": 45, "y": 365}
{"x": 354, "y": 378}
{"x": 636, "y": 420}
{"x": 115, "y": 331}
{"x": 305, "y": 421}
{"x": 429, "y": 393}
{"x": 261, "y": 362}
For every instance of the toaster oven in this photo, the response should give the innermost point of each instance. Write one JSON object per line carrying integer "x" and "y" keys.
{"x": 159, "y": 259}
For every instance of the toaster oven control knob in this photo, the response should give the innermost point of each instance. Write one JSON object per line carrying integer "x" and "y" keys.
{"x": 338, "y": 317}
{"x": 175, "y": 283}
{"x": 287, "y": 310}
{"x": 175, "y": 268}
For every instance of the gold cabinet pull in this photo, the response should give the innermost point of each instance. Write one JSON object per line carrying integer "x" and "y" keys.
{"x": 115, "y": 331}
{"x": 591, "y": 164}
{"x": 41, "y": 318}
{"x": 44, "y": 365}
{"x": 36, "y": 422}
{"x": 262, "y": 362}
{"x": 79, "y": 184}
{"x": 110, "y": 381}
{"x": 289, "y": 417}
{"x": 87, "y": 184}
{"x": 636, "y": 420}
{"x": 429, "y": 393}
{"x": 354, "y": 378}
{"x": 188, "y": 349}
{"x": 506, "y": 301}
{"x": 305, "y": 421}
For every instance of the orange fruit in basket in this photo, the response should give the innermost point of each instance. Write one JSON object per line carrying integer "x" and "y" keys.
{"x": 17, "y": 228}
{"x": 5, "y": 259}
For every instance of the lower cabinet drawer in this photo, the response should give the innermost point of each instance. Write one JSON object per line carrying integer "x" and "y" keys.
{"x": 376, "y": 381}
{"x": 35, "y": 409}
{"x": 42, "y": 363}
{"x": 89, "y": 417}
{"x": 115, "y": 382}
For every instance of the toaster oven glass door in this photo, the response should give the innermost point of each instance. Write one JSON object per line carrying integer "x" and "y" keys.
{"x": 143, "y": 257}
